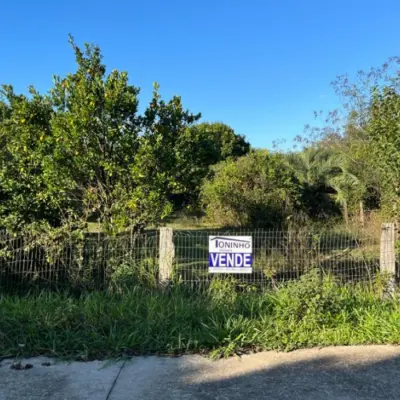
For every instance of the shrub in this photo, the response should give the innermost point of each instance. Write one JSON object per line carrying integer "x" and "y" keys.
{"x": 312, "y": 297}
{"x": 223, "y": 290}
{"x": 130, "y": 274}
{"x": 255, "y": 190}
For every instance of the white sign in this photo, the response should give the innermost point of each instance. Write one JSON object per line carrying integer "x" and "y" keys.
{"x": 230, "y": 254}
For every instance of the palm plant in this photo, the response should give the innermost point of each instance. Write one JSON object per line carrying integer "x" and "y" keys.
{"x": 327, "y": 173}
{"x": 311, "y": 165}
{"x": 343, "y": 182}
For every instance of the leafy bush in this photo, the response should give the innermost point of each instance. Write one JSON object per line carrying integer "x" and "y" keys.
{"x": 130, "y": 274}
{"x": 223, "y": 290}
{"x": 311, "y": 297}
{"x": 255, "y": 190}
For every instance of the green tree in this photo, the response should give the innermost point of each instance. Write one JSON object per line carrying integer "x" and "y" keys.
{"x": 26, "y": 197}
{"x": 384, "y": 133}
{"x": 82, "y": 151}
{"x": 345, "y": 132}
{"x": 196, "y": 150}
{"x": 358, "y": 175}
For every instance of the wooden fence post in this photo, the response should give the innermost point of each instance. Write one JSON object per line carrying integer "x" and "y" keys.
{"x": 388, "y": 255}
{"x": 167, "y": 253}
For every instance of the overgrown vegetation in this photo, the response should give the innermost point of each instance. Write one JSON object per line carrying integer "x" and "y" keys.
{"x": 346, "y": 165}
{"x": 310, "y": 312}
{"x": 83, "y": 154}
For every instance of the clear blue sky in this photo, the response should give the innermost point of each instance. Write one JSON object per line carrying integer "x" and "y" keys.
{"x": 260, "y": 66}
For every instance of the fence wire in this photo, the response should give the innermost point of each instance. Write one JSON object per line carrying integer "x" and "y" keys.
{"x": 281, "y": 255}
{"x": 98, "y": 261}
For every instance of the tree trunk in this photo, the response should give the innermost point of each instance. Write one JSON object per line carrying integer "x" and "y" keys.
{"x": 345, "y": 213}
{"x": 362, "y": 219}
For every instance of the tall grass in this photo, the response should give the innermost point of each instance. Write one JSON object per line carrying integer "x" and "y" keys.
{"x": 304, "y": 313}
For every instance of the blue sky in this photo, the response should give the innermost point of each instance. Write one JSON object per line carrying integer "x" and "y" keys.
{"x": 260, "y": 66}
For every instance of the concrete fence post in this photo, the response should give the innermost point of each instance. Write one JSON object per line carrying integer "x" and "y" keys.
{"x": 167, "y": 254}
{"x": 388, "y": 254}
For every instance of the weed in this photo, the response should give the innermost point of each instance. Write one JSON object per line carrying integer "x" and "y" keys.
{"x": 313, "y": 311}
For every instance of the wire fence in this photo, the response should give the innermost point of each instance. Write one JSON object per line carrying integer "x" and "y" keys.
{"x": 282, "y": 255}
{"x": 94, "y": 262}
{"x": 97, "y": 262}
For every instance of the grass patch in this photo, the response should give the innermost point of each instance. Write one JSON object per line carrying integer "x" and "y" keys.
{"x": 221, "y": 320}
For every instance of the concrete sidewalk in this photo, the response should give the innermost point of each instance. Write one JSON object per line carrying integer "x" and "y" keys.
{"x": 371, "y": 372}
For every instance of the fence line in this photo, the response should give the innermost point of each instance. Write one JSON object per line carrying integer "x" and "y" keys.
{"x": 99, "y": 261}
{"x": 92, "y": 263}
{"x": 282, "y": 255}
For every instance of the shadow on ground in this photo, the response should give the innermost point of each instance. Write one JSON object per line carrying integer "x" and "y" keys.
{"x": 364, "y": 372}
{"x": 333, "y": 373}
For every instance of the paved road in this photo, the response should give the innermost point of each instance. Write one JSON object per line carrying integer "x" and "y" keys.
{"x": 354, "y": 373}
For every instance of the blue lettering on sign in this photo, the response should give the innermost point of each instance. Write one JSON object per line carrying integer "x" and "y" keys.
{"x": 230, "y": 260}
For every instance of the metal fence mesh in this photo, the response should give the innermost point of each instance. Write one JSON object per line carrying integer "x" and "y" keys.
{"x": 99, "y": 261}
{"x": 282, "y": 255}
{"x": 92, "y": 263}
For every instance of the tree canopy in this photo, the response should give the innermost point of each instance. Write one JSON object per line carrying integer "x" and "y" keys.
{"x": 198, "y": 148}
{"x": 83, "y": 151}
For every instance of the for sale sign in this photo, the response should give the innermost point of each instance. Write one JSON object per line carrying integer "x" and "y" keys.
{"x": 230, "y": 254}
